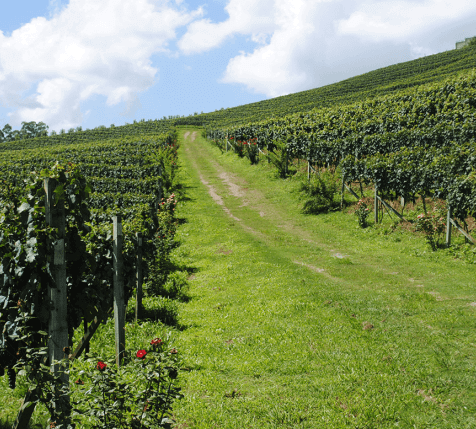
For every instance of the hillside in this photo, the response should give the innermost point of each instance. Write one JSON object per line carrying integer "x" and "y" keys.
{"x": 433, "y": 68}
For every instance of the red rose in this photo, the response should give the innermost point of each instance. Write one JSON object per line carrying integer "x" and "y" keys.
{"x": 141, "y": 354}
{"x": 101, "y": 366}
{"x": 156, "y": 342}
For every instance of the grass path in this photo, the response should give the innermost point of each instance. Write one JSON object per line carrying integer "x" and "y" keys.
{"x": 307, "y": 321}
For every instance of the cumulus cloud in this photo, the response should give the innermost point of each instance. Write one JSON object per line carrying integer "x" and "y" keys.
{"x": 302, "y": 44}
{"x": 400, "y": 20}
{"x": 256, "y": 18}
{"x": 88, "y": 47}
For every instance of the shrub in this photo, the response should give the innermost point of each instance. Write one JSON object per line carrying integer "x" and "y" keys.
{"x": 279, "y": 158}
{"x": 362, "y": 212}
{"x": 433, "y": 226}
{"x": 320, "y": 193}
{"x": 139, "y": 394}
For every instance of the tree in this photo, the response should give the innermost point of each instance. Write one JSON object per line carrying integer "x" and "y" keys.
{"x": 28, "y": 130}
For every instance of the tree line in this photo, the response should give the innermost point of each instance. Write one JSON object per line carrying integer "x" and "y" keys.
{"x": 28, "y": 130}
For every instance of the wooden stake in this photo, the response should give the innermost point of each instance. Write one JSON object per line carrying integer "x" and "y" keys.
{"x": 84, "y": 342}
{"x": 58, "y": 338}
{"x": 465, "y": 233}
{"x": 389, "y": 207}
{"x": 376, "y": 204}
{"x": 139, "y": 278}
{"x": 58, "y": 326}
{"x": 342, "y": 192}
{"x": 448, "y": 227}
{"x": 119, "y": 309}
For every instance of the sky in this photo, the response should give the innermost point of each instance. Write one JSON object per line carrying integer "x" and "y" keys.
{"x": 71, "y": 63}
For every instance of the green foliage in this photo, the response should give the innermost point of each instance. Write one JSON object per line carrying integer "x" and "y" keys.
{"x": 320, "y": 193}
{"x": 385, "y": 81}
{"x": 251, "y": 150}
{"x": 419, "y": 141}
{"x": 167, "y": 159}
{"x": 279, "y": 157}
{"x": 139, "y": 394}
{"x": 362, "y": 212}
{"x": 29, "y": 130}
{"x": 176, "y": 286}
{"x": 116, "y": 176}
{"x": 25, "y": 245}
{"x": 433, "y": 226}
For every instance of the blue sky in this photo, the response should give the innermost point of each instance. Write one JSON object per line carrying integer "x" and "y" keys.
{"x": 100, "y": 62}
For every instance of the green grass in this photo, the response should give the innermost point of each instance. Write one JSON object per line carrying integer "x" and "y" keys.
{"x": 380, "y": 338}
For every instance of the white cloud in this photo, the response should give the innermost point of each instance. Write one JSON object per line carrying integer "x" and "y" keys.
{"x": 303, "y": 44}
{"x": 87, "y": 47}
{"x": 399, "y": 20}
{"x": 246, "y": 17}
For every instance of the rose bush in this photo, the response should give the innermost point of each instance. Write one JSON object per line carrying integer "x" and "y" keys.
{"x": 139, "y": 394}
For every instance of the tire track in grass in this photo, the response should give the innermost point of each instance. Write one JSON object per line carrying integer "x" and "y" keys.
{"x": 258, "y": 202}
{"x": 321, "y": 254}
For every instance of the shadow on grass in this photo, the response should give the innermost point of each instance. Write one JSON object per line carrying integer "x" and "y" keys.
{"x": 181, "y": 193}
{"x": 165, "y": 311}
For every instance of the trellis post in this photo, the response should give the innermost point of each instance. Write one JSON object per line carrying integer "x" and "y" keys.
{"x": 58, "y": 339}
{"x": 119, "y": 309}
{"x": 376, "y": 204}
{"x": 448, "y": 227}
{"x": 139, "y": 277}
{"x": 342, "y": 192}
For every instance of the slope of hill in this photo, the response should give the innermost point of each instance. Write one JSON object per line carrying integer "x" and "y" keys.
{"x": 379, "y": 82}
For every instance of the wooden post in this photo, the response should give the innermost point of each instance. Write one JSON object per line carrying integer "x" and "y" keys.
{"x": 57, "y": 326}
{"x": 448, "y": 227}
{"x": 119, "y": 309}
{"x": 139, "y": 276}
{"x": 308, "y": 170}
{"x": 226, "y": 143}
{"x": 58, "y": 339}
{"x": 286, "y": 164}
{"x": 342, "y": 192}
{"x": 376, "y": 204}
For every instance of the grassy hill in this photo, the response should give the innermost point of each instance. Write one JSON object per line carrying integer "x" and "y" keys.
{"x": 379, "y": 82}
